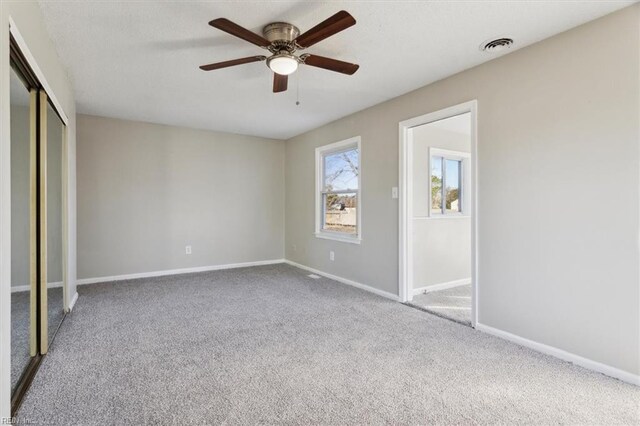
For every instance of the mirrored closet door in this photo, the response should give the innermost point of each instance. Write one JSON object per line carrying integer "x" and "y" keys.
{"x": 23, "y": 268}
{"x": 51, "y": 189}
{"x": 38, "y": 244}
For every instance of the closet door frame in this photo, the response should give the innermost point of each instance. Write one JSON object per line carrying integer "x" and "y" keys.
{"x": 42, "y": 217}
{"x": 33, "y": 222}
{"x": 24, "y": 64}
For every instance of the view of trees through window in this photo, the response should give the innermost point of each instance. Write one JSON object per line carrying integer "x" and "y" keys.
{"x": 436, "y": 184}
{"x": 340, "y": 191}
{"x": 453, "y": 179}
{"x": 446, "y": 180}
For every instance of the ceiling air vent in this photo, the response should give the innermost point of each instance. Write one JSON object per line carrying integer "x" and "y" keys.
{"x": 497, "y": 45}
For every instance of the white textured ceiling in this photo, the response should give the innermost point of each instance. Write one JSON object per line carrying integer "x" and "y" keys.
{"x": 139, "y": 60}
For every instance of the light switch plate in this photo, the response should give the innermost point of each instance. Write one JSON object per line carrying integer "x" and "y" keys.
{"x": 394, "y": 192}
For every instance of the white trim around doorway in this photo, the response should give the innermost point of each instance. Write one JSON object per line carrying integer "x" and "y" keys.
{"x": 405, "y": 279}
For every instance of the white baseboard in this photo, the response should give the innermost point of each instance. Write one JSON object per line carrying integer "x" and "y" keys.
{"x": 441, "y": 286}
{"x": 85, "y": 281}
{"x": 589, "y": 364}
{"x": 361, "y": 286}
{"x": 74, "y": 299}
{"x": 21, "y": 288}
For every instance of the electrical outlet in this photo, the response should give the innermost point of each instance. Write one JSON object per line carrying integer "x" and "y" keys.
{"x": 332, "y": 256}
{"x": 187, "y": 249}
{"x": 294, "y": 247}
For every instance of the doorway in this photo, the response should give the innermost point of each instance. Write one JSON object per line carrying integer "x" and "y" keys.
{"x": 438, "y": 220}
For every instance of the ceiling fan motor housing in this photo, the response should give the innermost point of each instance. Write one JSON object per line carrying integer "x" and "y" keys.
{"x": 280, "y": 31}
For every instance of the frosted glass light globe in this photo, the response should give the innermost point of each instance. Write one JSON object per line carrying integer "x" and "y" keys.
{"x": 283, "y": 64}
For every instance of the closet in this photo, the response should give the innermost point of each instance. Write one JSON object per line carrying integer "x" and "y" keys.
{"x": 38, "y": 243}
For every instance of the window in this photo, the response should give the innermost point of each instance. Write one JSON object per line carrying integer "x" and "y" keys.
{"x": 338, "y": 191}
{"x": 447, "y": 181}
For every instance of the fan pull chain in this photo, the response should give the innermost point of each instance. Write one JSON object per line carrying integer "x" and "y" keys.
{"x": 298, "y": 89}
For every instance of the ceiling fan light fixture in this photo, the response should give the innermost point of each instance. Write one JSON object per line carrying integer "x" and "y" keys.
{"x": 283, "y": 63}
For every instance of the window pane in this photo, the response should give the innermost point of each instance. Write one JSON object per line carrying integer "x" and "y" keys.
{"x": 340, "y": 212}
{"x": 436, "y": 184}
{"x": 453, "y": 176}
{"x": 341, "y": 170}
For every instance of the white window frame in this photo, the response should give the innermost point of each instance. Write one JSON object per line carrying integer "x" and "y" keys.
{"x": 447, "y": 154}
{"x": 354, "y": 142}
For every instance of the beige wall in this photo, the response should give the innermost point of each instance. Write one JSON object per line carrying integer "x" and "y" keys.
{"x": 146, "y": 191}
{"x": 442, "y": 244}
{"x": 28, "y": 19}
{"x": 558, "y": 168}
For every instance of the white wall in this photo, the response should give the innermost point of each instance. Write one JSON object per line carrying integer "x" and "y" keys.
{"x": 558, "y": 133}
{"x": 441, "y": 244}
{"x": 29, "y": 22}
{"x": 145, "y": 191}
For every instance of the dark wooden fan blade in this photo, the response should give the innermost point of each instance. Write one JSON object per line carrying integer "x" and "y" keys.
{"x": 232, "y": 63}
{"x": 234, "y": 29}
{"x": 280, "y": 82}
{"x": 331, "y": 64}
{"x": 338, "y": 22}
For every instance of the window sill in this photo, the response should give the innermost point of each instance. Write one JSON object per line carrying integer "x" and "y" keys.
{"x": 444, "y": 216}
{"x": 338, "y": 237}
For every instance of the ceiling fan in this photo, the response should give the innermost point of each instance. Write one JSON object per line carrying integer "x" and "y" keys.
{"x": 282, "y": 40}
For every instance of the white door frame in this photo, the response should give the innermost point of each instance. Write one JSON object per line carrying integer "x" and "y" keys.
{"x": 405, "y": 251}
